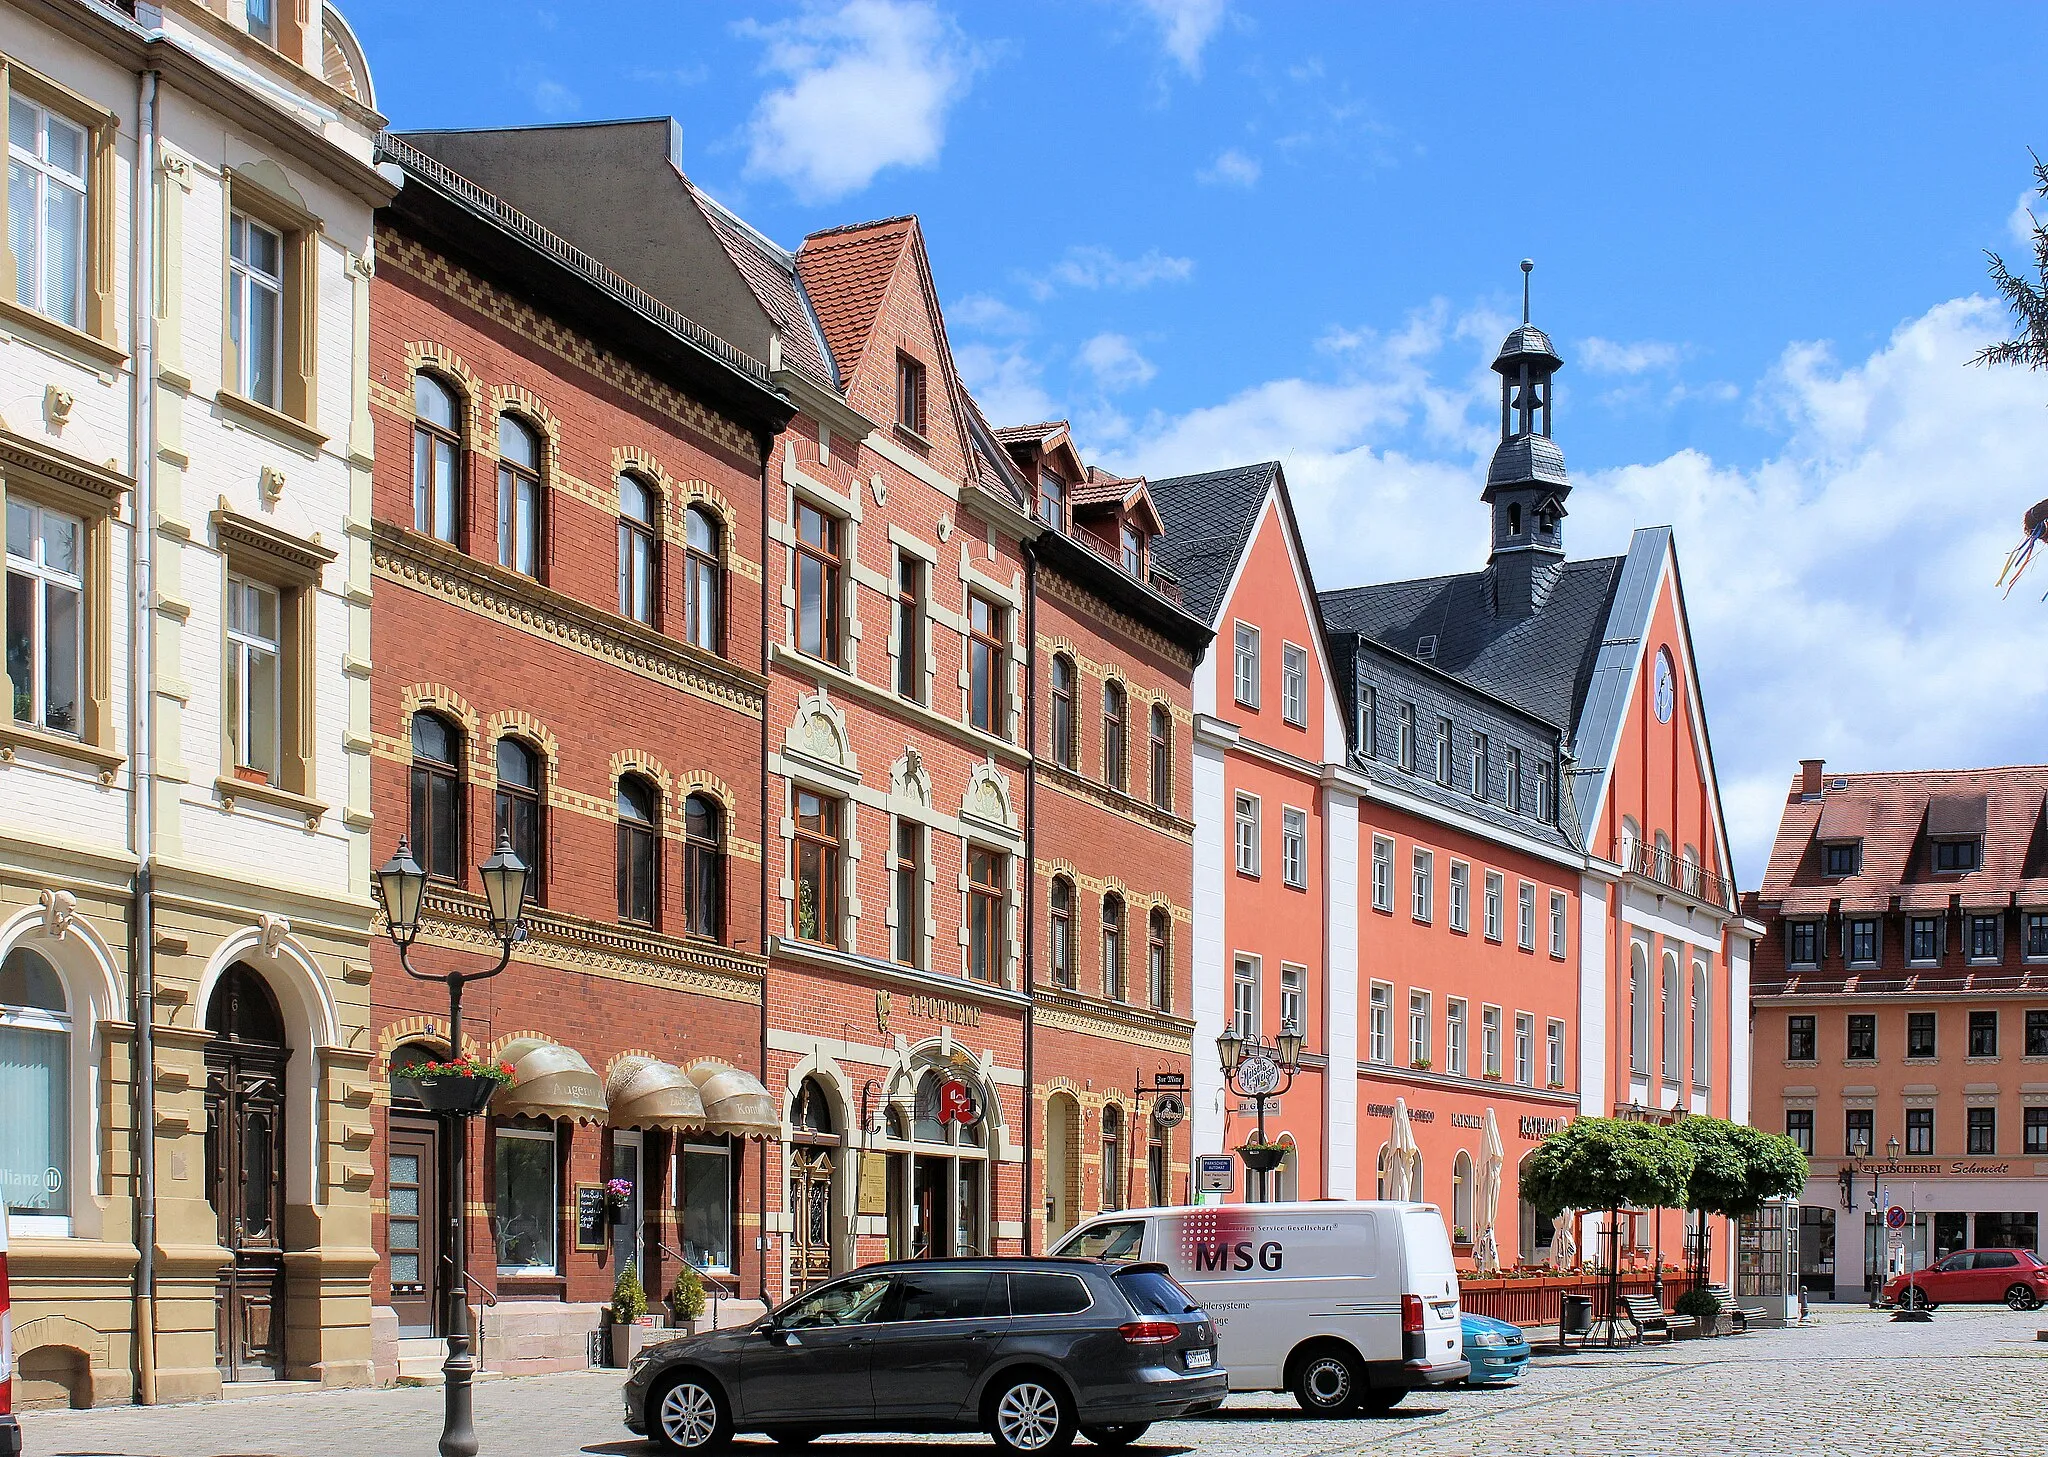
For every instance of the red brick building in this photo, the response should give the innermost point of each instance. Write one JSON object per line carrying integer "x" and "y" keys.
{"x": 568, "y": 540}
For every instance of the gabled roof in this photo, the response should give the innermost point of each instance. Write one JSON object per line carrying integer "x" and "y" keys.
{"x": 1041, "y": 434}
{"x": 846, "y": 272}
{"x": 993, "y": 466}
{"x": 770, "y": 271}
{"x": 1209, "y": 520}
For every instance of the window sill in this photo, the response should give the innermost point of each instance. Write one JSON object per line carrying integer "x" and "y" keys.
{"x": 14, "y": 736}
{"x": 911, "y": 437}
{"x": 1992, "y": 1061}
{"x": 266, "y": 421}
{"x": 1912, "y": 1061}
{"x": 1859, "y": 1062}
{"x": 231, "y": 790}
{"x": 42, "y": 328}
{"x": 1796, "y": 1062}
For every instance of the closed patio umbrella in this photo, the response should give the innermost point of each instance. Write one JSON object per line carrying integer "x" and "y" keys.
{"x": 1564, "y": 1251}
{"x": 1400, "y": 1153}
{"x": 1491, "y": 1157}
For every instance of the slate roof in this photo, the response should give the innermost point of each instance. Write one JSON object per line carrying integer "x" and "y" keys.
{"x": 1523, "y": 458}
{"x": 846, "y": 272}
{"x": 1540, "y": 664}
{"x": 1530, "y": 340}
{"x": 770, "y": 271}
{"x": 1209, "y": 520}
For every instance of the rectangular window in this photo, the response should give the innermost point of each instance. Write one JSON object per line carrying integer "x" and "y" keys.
{"x": 1404, "y": 738}
{"x": 1244, "y": 1003}
{"x": 1132, "y": 542}
{"x": 1984, "y": 1034}
{"x": 1444, "y": 751}
{"x": 1369, "y": 722}
{"x": 1247, "y": 835}
{"x": 1802, "y": 945}
{"x": 910, "y": 397}
{"x": 1525, "y": 916}
{"x": 2037, "y": 1033}
{"x": 1859, "y": 942}
{"x": 910, "y": 617}
{"x": 1674, "y": 1019}
{"x": 1858, "y": 1132}
{"x": 2034, "y": 1132}
{"x": 1558, "y": 929}
{"x": 1492, "y": 904}
{"x": 817, "y": 852}
{"x": 817, "y": 583}
{"x": 1245, "y": 664}
{"x": 1294, "y": 684}
{"x": 255, "y": 677}
{"x": 986, "y": 932}
{"x": 1511, "y": 788}
{"x": 1382, "y": 873}
{"x": 1862, "y": 1036}
{"x": 46, "y": 611}
{"x": 1955, "y": 855}
{"x": 1064, "y": 750}
{"x": 1489, "y": 1042}
{"x": 1293, "y": 997}
{"x": 48, "y": 158}
{"x": 524, "y": 1214}
{"x": 1162, "y": 757}
{"x": 704, "y": 1205}
{"x": 260, "y": 16}
{"x": 1052, "y": 500}
{"x": 1482, "y": 775}
{"x": 1639, "y": 1010}
{"x": 1418, "y": 1029}
{"x": 985, "y": 623}
{"x": 1422, "y": 897}
{"x": 1546, "y": 793}
{"x": 1839, "y": 860}
{"x": 256, "y": 309}
{"x": 2035, "y": 929}
{"x": 1799, "y": 1039}
{"x": 1799, "y": 1128}
{"x": 1454, "y": 1037}
{"x": 1923, "y": 939}
{"x": 1920, "y": 1130}
{"x": 1553, "y": 1054}
{"x": 1984, "y": 940}
{"x": 909, "y": 893}
{"x": 1982, "y": 1127}
{"x": 1525, "y": 1049}
{"x": 1294, "y": 848}
{"x": 1461, "y": 895}
{"x": 1380, "y": 1025}
{"x": 1920, "y": 1034}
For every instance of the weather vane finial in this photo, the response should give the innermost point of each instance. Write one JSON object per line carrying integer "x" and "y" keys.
{"x": 1528, "y": 267}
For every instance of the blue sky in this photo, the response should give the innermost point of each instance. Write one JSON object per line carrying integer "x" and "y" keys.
{"x": 1211, "y": 231}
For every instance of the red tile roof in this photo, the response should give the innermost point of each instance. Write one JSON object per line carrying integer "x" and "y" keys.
{"x": 846, "y": 272}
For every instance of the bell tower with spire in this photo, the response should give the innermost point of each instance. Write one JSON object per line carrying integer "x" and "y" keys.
{"x": 1526, "y": 484}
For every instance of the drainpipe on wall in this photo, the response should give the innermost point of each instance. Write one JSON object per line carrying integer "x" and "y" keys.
{"x": 1030, "y": 868}
{"x": 142, "y": 727}
{"x": 767, "y": 444}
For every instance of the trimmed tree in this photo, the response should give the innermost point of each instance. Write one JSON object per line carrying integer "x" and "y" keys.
{"x": 1736, "y": 1169}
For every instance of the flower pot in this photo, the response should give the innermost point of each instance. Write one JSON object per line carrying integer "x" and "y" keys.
{"x": 1262, "y": 1160}
{"x": 463, "y": 1096}
{"x": 244, "y": 774}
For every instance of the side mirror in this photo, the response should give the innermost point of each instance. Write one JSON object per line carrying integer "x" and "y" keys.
{"x": 780, "y": 1335}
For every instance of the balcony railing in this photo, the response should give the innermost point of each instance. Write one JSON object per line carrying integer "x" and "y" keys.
{"x": 1164, "y": 583}
{"x": 1674, "y": 872}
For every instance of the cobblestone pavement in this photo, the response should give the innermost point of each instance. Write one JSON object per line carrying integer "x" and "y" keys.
{"x": 1852, "y": 1384}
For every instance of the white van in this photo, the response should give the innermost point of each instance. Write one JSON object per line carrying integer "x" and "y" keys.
{"x": 1348, "y": 1305}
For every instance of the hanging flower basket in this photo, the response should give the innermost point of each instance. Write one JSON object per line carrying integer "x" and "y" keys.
{"x": 618, "y": 1198}
{"x": 1262, "y": 1158}
{"x": 463, "y": 1086}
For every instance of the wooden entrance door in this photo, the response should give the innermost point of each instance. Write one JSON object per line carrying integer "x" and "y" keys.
{"x": 412, "y": 1170}
{"x": 810, "y": 1216}
{"x": 245, "y": 1146}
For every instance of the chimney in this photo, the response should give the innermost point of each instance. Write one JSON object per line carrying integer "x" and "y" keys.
{"x": 1809, "y": 777}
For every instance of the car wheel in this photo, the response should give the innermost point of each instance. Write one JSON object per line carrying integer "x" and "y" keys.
{"x": 1031, "y": 1417}
{"x": 1328, "y": 1383}
{"x": 1916, "y": 1299}
{"x": 1379, "y": 1400}
{"x": 1120, "y": 1434}
{"x": 689, "y": 1415}
{"x": 2022, "y": 1297}
{"x": 791, "y": 1436}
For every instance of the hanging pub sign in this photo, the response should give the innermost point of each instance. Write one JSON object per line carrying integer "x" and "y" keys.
{"x": 956, "y": 1103}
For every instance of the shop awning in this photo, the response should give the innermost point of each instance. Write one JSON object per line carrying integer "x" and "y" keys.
{"x": 645, "y": 1092}
{"x": 549, "y": 1081}
{"x": 735, "y": 1102}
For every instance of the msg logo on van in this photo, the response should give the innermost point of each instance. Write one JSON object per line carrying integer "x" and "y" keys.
{"x": 1239, "y": 1256}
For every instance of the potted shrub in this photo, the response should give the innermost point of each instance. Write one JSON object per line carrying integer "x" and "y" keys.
{"x": 686, "y": 1299}
{"x": 629, "y": 1303}
{"x": 1420, "y": 1064}
{"x": 1701, "y": 1304}
{"x": 461, "y": 1085}
{"x": 1262, "y": 1158}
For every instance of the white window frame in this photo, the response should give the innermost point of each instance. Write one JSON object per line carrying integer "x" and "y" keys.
{"x": 1294, "y": 684}
{"x": 46, "y": 178}
{"x": 1554, "y": 1054}
{"x": 44, "y": 579}
{"x": 1493, "y": 904}
{"x": 535, "y": 1135}
{"x": 1525, "y": 1049}
{"x": 1457, "y": 1016}
{"x": 1702, "y": 1023}
{"x": 1418, "y": 1026}
{"x": 1489, "y": 1041}
{"x": 1560, "y": 905}
{"x": 1244, "y": 661}
{"x": 1245, "y": 997}
{"x": 1422, "y": 885}
{"x": 1639, "y": 1009}
{"x": 1246, "y": 821}
{"x": 1461, "y": 896}
{"x": 678, "y": 1199}
{"x": 1294, "y": 847}
{"x": 1511, "y": 781}
{"x": 1404, "y": 739}
{"x": 245, "y": 645}
{"x": 1380, "y": 1023}
{"x": 1525, "y": 916}
{"x": 1293, "y": 996}
{"x": 246, "y": 281}
{"x": 1446, "y": 752}
{"x": 1673, "y": 986}
{"x": 1482, "y": 765}
{"x": 1382, "y": 873}
{"x": 1369, "y": 720}
{"x": 61, "y": 1024}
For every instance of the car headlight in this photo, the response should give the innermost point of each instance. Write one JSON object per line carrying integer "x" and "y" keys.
{"x": 1484, "y": 1338}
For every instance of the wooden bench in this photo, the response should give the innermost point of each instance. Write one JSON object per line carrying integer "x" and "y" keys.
{"x": 1651, "y": 1319}
{"x": 1741, "y": 1315}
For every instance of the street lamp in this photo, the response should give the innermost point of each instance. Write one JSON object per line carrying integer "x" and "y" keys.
{"x": 1259, "y": 1075}
{"x": 401, "y": 887}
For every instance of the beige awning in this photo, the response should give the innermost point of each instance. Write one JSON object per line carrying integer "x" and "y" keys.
{"x": 644, "y": 1092}
{"x": 735, "y": 1102}
{"x": 549, "y": 1081}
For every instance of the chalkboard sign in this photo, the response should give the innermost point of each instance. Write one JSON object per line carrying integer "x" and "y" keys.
{"x": 593, "y": 1218}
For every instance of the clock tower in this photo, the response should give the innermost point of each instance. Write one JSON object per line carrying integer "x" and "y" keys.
{"x": 1526, "y": 485}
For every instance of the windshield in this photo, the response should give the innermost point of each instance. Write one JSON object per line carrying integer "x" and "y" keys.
{"x": 1118, "y": 1241}
{"x": 1153, "y": 1292}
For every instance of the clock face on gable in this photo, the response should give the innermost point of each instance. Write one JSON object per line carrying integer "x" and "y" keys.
{"x": 1667, "y": 686}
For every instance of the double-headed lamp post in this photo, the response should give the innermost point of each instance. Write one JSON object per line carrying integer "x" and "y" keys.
{"x": 1259, "y": 1075}
{"x": 401, "y": 887}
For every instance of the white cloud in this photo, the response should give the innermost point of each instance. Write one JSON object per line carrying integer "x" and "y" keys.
{"x": 1115, "y": 362}
{"x": 1005, "y": 383}
{"x": 2020, "y": 223}
{"x": 1094, "y": 267}
{"x": 868, "y": 87}
{"x": 1840, "y": 589}
{"x": 1232, "y": 168}
{"x": 1185, "y": 27}
{"x": 1605, "y": 356}
{"x": 551, "y": 97}
{"x": 988, "y": 314}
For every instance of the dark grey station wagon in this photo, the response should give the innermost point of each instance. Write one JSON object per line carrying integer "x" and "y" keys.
{"x": 1028, "y": 1350}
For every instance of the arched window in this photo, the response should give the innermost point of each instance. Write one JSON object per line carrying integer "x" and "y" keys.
{"x": 703, "y": 867}
{"x": 1415, "y": 1177}
{"x": 639, "y": 551}
{"x": 1063, "y": 752}
{"x": 35, "y": 1088}
{"x": 517, "y": 811}
{"x": 702, "y": 579}
{"x": 1660, "y": 865}
{"x": 436, "y": 460}
{"x": 1674, "y": 1018}
{"x": 1287, "y": 1178}
{"x": 1380, "y": 1174}
{"x": 1631, "y": 840}
{"x": 639, "y": 850}
{"x": 1059, "y": 944}
{"x": 1115, "y": 724}
{"x": 1113, "y": 947}
{"x": 518, "y": 497}
{"x": 437, "y": 796}
{"x": 1461, "y": 1198}
{"x": 1162, "y": 757}
{"x": 1112, "y": 1157}
{"x": 1689, "y": 870}
{"x": 1158, "y": 962}
{"x": 1639, "y": 1010}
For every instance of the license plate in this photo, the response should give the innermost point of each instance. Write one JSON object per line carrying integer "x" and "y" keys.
{"x": 1201, "y": 1360}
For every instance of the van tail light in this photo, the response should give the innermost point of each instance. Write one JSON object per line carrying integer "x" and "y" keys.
{"x": 1411, "y": 1315}
{"x": 6, "y": 1332}
{"x": 1149, "y": 1332}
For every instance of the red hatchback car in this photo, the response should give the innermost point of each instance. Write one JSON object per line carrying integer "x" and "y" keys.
{"x": 1984, "y": 1277}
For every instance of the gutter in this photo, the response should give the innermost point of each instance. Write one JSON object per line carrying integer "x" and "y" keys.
{"x": 1030, "y": 877}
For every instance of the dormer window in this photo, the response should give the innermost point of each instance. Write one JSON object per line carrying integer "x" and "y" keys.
{"x": 1052, "y": 500}
{"x": 1134, "y": 551}
{"x": 1956, "y": 823}
{"x": 1844, "y": 858}
{"x": 1957, "y": 856}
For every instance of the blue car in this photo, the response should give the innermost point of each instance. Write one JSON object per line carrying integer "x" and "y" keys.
{"x": 1498, "y": 1350}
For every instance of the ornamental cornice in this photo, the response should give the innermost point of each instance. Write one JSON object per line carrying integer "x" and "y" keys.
{"x": 1080, "y": 599}
{"x": 1123, "y": 805}
{"x": 1071, "y": 1012}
